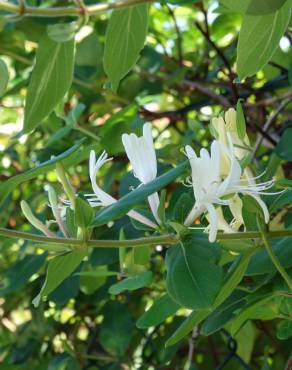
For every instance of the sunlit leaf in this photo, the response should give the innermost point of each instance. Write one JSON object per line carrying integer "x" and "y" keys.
{"x": 265, "y": 31}
{"x": 125, "y": 37}
{"x": 51, "y": 78}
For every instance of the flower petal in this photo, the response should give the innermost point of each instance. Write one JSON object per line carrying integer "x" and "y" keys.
{"x": 213, "y": 222}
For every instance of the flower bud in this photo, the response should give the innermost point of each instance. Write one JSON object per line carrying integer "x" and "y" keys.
{"x": 33, "y": 220}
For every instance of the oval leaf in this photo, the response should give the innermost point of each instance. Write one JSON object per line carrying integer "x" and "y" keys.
{"x": 125, "y": 37}
{"x": 51, "y": 78}
{"x": 59, "y": 268}
{"x": 265, "y": 31}
{"x": 161, "y": 309}
{"x": 192, "y": 281}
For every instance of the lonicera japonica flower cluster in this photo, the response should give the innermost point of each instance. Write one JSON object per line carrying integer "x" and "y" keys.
{"x": 217, "y": 178}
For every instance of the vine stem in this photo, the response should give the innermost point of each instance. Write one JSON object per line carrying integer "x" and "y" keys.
{"x": 68, "y": 11}
{"x": 153, "y": 240}
{"x": 274, "y": 259}
{"x": 166, "y": 239}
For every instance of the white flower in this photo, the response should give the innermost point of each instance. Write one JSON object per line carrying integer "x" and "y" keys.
{"x": 229, "y": 125}
{"x": 210, "y": 187}
{"x": 100, "y": 197}
{"x": 141, "y": 154}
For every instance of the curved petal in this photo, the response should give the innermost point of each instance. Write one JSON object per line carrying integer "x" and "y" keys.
{"x": 190, "y": 152}
{"x": 144, "y": 220}
{"x": 153, "y": 201}
{"x": 147, "y": 133}
{"x": 213, "y": 222}
{"x": 263, "y": 206}
{"x": 102, "y": 197}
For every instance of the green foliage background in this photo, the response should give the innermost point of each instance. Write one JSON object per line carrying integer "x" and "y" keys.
{"x": 70, "y": 86}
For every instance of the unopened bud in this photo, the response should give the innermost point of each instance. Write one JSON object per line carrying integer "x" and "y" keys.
{"x": 33, "y": 220}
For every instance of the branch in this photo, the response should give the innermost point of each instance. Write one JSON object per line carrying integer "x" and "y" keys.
{"x": 220, "y": 53}
{"x": 195, "y": 85}
{"x": 269, "y": 122}
{"x": 153, "y": 240}
{"x": 31, "y": 11}
{"x": 178, "y": 35}
{"x": 204, "y": 90}
{"x": 166, "y": 239}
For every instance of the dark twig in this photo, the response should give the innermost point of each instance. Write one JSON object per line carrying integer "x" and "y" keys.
{"x": 178, "y": 35}
{"x": 220, "y": 53}
{"x": 268, "y": 124}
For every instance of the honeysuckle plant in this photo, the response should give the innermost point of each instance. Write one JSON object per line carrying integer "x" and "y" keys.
{"x": 139, "y": 208}
{"x": 219, "y": 180}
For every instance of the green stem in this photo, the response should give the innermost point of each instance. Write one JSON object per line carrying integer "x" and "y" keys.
{"x": 253, "y": 235}
{"x": 66, "y": 183}
{"x": 68, "y": 11}
{"x": 166, "y": 239}
{"x": 153, "y": 240}
{"x": 274, "y": 259}
{"x": 87, "y": 132}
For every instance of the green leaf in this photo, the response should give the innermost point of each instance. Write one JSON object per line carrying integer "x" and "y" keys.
{"x": 4, "y": 77}
{"x": 59, "y": 268}
{"x": 161, "y": 207}
{"x": 51, "y": 78}
{"x": 237, "y": 6}
{"x": 125, "y": 37}
{"x": 61, "y": 32}
{"x": 116, "y": 329}
{"x": 264, "y": 6}
{"x": 196, "y": 317}
{"x": 162, "y": 308}
{"x": 265, "y": 31}
{"x": 68, "y": 156}
{"x": 187, "y": 326}
{"x": 192, "y": 280}
{"x": 245, "y": 347}
{"x": 284, "y": 330}
{"x": 182, "y": 207}
{"x": 240, "y": 121}
{"x": 104, "y": 256}
{"x": 263, "y": 308}
{"x": 89, "y": 52}
{"x": 83, "y": 213}
{"x": 284, "y": 147}
{"x": 223, "y": 313}
{"x": 261, "y": 263}
{"x": 20, "y": 272}
{"x": 71, "y": 120}
{"x": 132, "y": 283}
{"x": 141, "y": 255}
{"x": 253, "y": 7}
{"x": 286, "y": 306}
{"x": 70, "y": 222}
{"x": 234, "y": 277}
{"x": 132, "y": 199}
{"x": 101, "y": 272}
{"x": 91, "y": 280}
